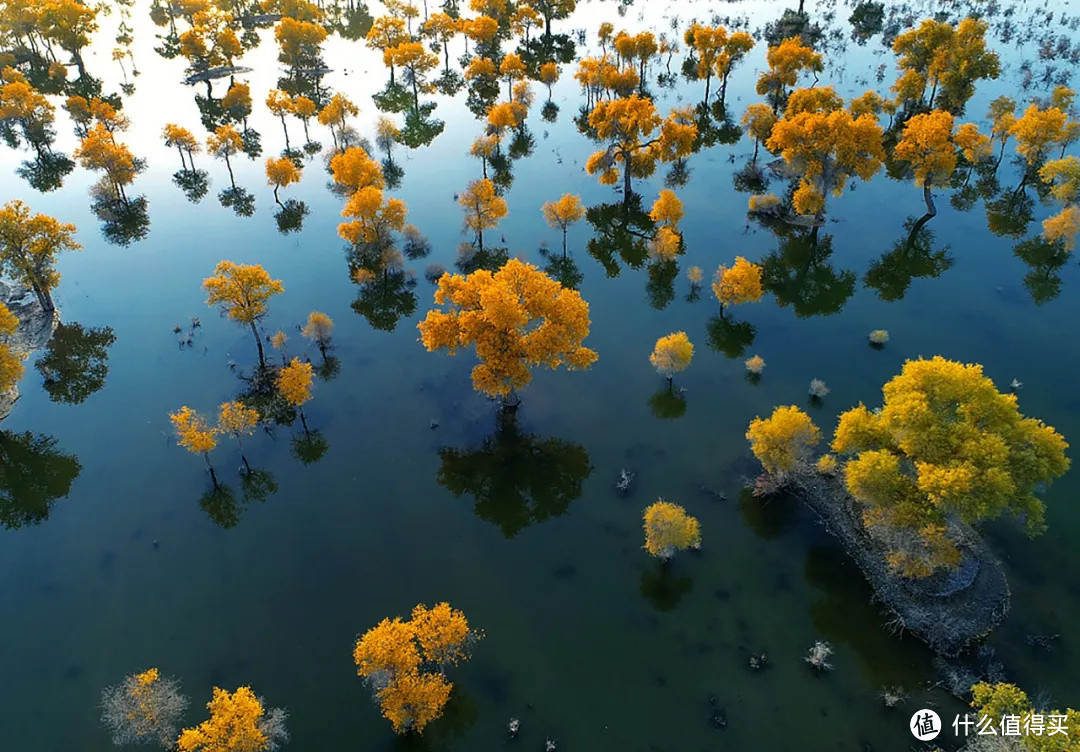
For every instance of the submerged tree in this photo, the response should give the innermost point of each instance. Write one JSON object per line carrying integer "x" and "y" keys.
{"x": 145, "y": 708}
{"x": 786, "y": 60}
{"x": 671, "y": 355}
{"x": 242, "y": 291}
{"x": 563, "y": 213}
{"x": 238, "y": 721}
{"x": 637, "y": 138}
{"x": 946, "y": 443}
{"x": 404, "y": 663}
{"x": 29, "y": 246}
{"x": 515, "y": 318}
{"x": 946, "y": 59}
{"x": 237, "y": 420}
{"x": 224, "y": 143}
{"x": 484, "y": 208}
{"x": 826, "y": 145}
{"x": 196, "y": 435}
{"x": 740, "y": 283}
{"x": 668, "y": 528}
{"x": 294, "y": 384}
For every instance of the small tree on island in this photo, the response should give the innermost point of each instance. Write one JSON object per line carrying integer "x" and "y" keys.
{"x": 783, "y": 441}
{"x": 29, "y": 246}
{"x": 514, "y": 318}
{"x": 946, "y": 444}
{"x": 668, "y": 528}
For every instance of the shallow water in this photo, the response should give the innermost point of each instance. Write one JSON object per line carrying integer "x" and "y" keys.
{"x": 587, "y": 640}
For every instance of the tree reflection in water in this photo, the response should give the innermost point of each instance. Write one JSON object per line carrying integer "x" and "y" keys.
{"x": 516, "y": 478}
{"x": 34, "y": 474}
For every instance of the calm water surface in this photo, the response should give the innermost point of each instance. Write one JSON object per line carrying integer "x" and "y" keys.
{"x": 588, "y": 641}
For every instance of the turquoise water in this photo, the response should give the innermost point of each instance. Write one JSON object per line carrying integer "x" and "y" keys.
{"x": 588, "y": 641}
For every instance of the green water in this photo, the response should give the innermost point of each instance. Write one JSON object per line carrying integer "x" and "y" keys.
{"x": 587, "y": 640}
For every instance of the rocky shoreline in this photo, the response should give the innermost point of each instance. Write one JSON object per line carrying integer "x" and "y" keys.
{"x": 947, "y": 612}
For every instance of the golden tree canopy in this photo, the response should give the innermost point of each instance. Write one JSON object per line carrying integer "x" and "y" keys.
{"x": 484, "y": 207}
{"x": 1038, "y": 131}
{"x": 783, "y": 440}
{"x": 281, "y": 172}
{"x": 294, "y": 382}
{"x": 515, "y": 318}
{"x": 11, "y": 364}
{"x": 237, "y": 419}
{"x": 945, "y": 443}
{"x": 741, "y": 283}
{"x": 353, "y": 169}
{"x": 241, "y": 290}
{"x": 192, "y": 431}
{"x": 927, "y": 146}
{"x": 672, "y": 354}
{"x": 374, "y": 217}
{"x": 668, "y": 528}
{"x": 564, "y": 212}
{"x": 234, "y": 724}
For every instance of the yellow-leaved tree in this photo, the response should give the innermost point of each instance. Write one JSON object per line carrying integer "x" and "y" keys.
{"x": 280, "y": 173}
{"x": 11, "y": 363}
{"x": 514, "y": 318}
{"x": 932, "y": 149}
{"x": 224, "y": 143}
{"x": 484, "y": 208}
{"x": 185, "y": 143}
{"x": 637, "y": 138}
{"x": 944, "y": 61}
{"x": 945, "y": 444}
{"x": 353, "y": 169}
{"x": 374, "y": 217}
{"x": 318, "y": 329}
{"x": 668, "y": 528}
{"x": 996, "y": 701}
{"x": 783, "y": 441}
{"x": 672, "y": 354}
{"x": 404, "y": 663}
{"x": 238, "y": 722}
{"x": 563, "y": 213}
{"x": 29, "y": 246}
{"x": 826, "y": 146}
{"x": 194, "y": 434}
{"x": 242, "y": 291}
{"x": 1063, "y": 176}
{"x": 237, "y": 420}
{"x": 294, "y": 383}
{"x": 739, "y": 283}
{"x": 717, "y": 52}
{"x": 786, "y": 60}
{"x": 666, "y": 213}
{"x": 335, "y": 116}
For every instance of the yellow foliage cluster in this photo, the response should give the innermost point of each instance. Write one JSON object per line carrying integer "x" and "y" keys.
{"x": 564, "y": 212}
{"x": 484, "y": 207}
{"x": 234, "y": 724}
{"x": 786, "y": 61}
{"x": 294, "y": 382}
{"x": 763, "y": 202}
{"x": 354, "y": 169}
{"x": 374, "y": 217}
{"x": 192, "y": 430}
{"x": 1038, "y": 130}
{"x": 237, "y": 419}
{"x": 241, "y": 290}
{"x": 827, "y": 148}
{"x": 758, "y": 120}
{"x": 515, "y": 318}
{"x": 1063, "y": 226}
{"x": 946, "y": 58}
{"x": 318, "y": 328}
{"x": 755, "y": 365}
{"x": 741, "y": 283}
{"x": 783, "y": 440}
{"x": 224, "y": 142}
{"x": 404, "y": 663}
{"x": 945, "y": 443}
{"x": 281, "y": 172}
{"x": 11, "y": 364}
{"x": 998, "y": 700}
{"x": 638, "y": 137}
{"x": 99, "y": 150}
{"x": 717, "y": 50}
{"x": 927, "y": 146}
{"x": 29, "y": 245}
{"x": 826, "y": 464}
{"x": 668, "y": 528}
{"x": 181, "y": 138}
{"x": 672, "y": 354}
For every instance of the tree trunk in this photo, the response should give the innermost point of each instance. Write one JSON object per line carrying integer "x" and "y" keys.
{"x": 307, "y": 138}
{"x": 392, "y": 82}
{"x": 416, "y": 95}
{"x": 43, "y": 295}
{"x": 708, "y": 86}
{"x": 480, "y": 239}
{"x": 626, "y": 182}
{"x": 547, "y": 26}
{"x": 276, "y": 199}
{"x": 232, "y": 179}
{"x": 303, "y": 420}
{"x": 757, "y": 143}
{"x": 564, "y": 241}
{"x": 210, "y": 467}
{"x": 446, "y": 54}
{"x": 286, "y": 129}
{"x": 259, "y": 344}
{"x": 183, "y": 164}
